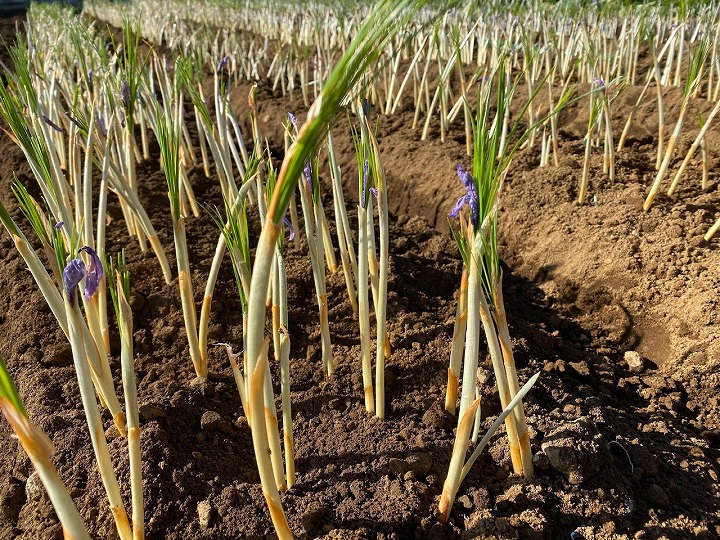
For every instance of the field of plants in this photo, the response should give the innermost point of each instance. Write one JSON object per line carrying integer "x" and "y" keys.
{"x": 339, "y": 270}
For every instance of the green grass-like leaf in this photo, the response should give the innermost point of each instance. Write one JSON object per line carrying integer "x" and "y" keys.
{"x": 168, "y": 136}
{"x": 31, "y": 210}
{"x": 8, "y": 390}
{"x": 114, "y": 269}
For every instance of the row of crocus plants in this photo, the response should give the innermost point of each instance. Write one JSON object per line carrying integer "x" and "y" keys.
{"x": 428, "y": 68}
{"x": 85, "y": 114}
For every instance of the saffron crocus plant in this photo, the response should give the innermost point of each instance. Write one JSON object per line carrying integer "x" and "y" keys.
{"x": 361, "y": 152}
{"x": 379, "y": 27}
{"x": 52, "y": 291}
{"x": 73, "y": 274}
{"x": 377, "y": 187}
{"x": 694, "y": 76}
{"x": 314, "y": 215}
{"x": 168, "y": 135}
{"x": 477, "y": 241}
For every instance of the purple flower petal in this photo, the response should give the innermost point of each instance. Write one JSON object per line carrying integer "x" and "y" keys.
{"x": 465, "y": 178}
{"x": 293, "y": 120}
{"x": 363, "y": 196}
{"x": 94, "y": 272}
{"x": 374, "y": 191}
{"x": 470, "y": 198}
{"x": 455, "y": 212}
{"x": 59, "y": 225}
{"x": 474, "y": 205}
{"x": 221, "y": 65}
{"x": 72, "y": 275}
{"x": 307, "y": 171}
{"x": 288, "y": 224}
{"x": 600, "y": 83}
{"x": 53, "y": 124}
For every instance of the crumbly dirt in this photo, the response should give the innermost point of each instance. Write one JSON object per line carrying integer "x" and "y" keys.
{"x": 620, "y": 451}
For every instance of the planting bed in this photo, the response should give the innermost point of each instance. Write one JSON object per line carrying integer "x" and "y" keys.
{"x": 622, "y": 448}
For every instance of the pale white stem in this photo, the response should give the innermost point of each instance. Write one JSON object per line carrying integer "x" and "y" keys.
{"x": 364, "y": 311}
{"x": 259, "y": 431}
{"x": 133, "y": 418}
{"x": 186, "y": 296}
{"x": 97, "y": 433}
{"x": 452, "y": 481}
{"x": 458, "y": 343}
{"x": 655, "y": 188}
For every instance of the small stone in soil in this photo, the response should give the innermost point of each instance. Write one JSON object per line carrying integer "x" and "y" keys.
{"x": 205, "y": 513}
{"x": 634, "y": 361}
{"x": 166, "y": 334}
{"x": 576, "y": 449}
{"x": 203, "y": 385}
{"x": 33, "y": 487}
{"x": 434, "y": 417}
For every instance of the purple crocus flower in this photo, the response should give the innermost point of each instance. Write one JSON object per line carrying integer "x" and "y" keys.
{"x": 307, "y": 171}
{"x": 287, "y": 223}
{"x": 600, "y": 83}
{"x": 470, "y": 198}
{"x": 293, "y": 120}
{"x": 222, "y": 63}
{"x": 53, "y": 124}
{"x": 72, "y": 275}
{"x": 374, "y": 192}
{"x": 363, "y": 196}
{"x": 59, "y": 225}
{"x": 94, "y": 272}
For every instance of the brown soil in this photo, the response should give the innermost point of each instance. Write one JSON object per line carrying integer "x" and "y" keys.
{"x": 619, "y": 452}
